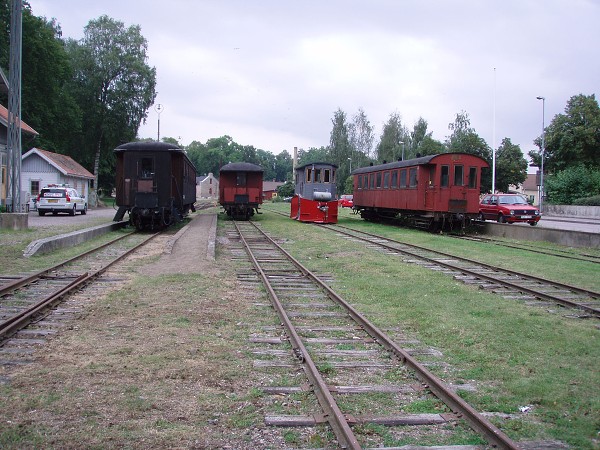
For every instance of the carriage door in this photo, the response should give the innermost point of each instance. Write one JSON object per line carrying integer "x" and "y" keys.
{"x": 429, "y": 187}
{"x": 458, "y": 192}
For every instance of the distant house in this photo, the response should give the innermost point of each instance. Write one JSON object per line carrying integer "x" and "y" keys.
{"x": 207, "y": 186}
{"x": 529, "y": 189}
{"x": 270, "y": 189}
{"x": 40, "y": 168}
{"x": 27, "y": 133}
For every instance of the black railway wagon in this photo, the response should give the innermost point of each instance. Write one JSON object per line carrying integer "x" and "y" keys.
{"x": 155, "y": 183}
{"x": 240, "y": 189}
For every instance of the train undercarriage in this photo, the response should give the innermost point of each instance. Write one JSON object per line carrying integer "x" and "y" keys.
{"x": 427, "y": 220}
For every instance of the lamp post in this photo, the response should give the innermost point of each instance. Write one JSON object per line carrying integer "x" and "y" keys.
{"x": 543, "y": 99}
{"x": 350, "y": 159}
{"x": 159, "y": 108}
{"x": 402, "y": 142}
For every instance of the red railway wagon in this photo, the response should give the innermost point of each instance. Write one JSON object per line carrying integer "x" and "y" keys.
{"x": 315, "y": 198}
{"x": 436, "y": 191}
{"x": 240, "y": 189}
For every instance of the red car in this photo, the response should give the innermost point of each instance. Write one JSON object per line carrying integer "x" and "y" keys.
{"x": 508, "y": 208}
{"x": 346, "y": 201}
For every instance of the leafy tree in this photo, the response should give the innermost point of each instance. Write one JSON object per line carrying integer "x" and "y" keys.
{"x": 511, "y": 165}
{"x": 283, "y": 166}
{"x": 313, "y": 154}
{"x": 340, "y": 149}
{"x": 46, "y": 104}
{"x": 360, "y": 134}
{"x": 286, "y": 189}
{"x": 417, "y": 138}
{"x": 113, "y": 85}
{"x": 430, "y": 146}
{"x": 572, "y": 137}
{"x": 577, "y": 181}
{"x": 465, "y": 139}
{"x": 390, "y": 147}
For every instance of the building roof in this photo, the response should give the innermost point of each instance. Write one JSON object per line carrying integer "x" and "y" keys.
{"x": 24, "y": 127}
{"x": 65, "y": 164}
{"x": 271, "y": 185}
{"x": 530, "y": 183}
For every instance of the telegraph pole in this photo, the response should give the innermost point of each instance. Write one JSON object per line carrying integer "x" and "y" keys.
{"x": 13, "y": 201}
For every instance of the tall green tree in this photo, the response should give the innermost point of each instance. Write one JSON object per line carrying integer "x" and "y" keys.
{"x": 572, "y": 137}
{"x": 340, "y": 149}
{"x": 511, "y": 165}
{"x": 46, "y": 103}
{"x": 393, "y": 138}
{"x": 360, "y": 134}
{"x": 114, "y": 87}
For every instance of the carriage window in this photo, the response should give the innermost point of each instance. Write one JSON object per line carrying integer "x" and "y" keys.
{"x": 372, "y": 181}
{"x": 403, "y": 178}
{"x": 326, "y": 175}
{"x": 386, "y": 180}
{"x": 308, "y": 174}
{"x": 147, "y": 168}
{"x": 431, "y": 176}
{"x": 240, "y": 178}
{"x": 378, "y": 180}
{"x": 394, "y": 179}
{"x": 413, "y": 177}
{"x": 458, "y": 176}
{"x": 318, "y": 176}
{"x": 445, "y": 176}
{"x": 472, "y": 177}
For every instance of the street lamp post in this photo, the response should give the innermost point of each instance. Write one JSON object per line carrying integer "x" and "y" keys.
{"x": 159, "y": 108}
{"x": 402, "y": 142}
{"x": 543, "y": 99}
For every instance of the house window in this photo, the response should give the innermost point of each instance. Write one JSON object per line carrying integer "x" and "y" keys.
{"x": 35, "y": 188}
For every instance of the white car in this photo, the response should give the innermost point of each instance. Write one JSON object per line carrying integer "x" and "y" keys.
{"x": 60, "y": 198}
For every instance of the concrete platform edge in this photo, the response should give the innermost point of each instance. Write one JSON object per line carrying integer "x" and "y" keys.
{"x": 46, "y": 245}
{"x": 580, "y": 239}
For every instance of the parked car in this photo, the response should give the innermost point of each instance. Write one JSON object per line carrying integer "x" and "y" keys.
{"x": 346, "y": 201}
{"x": 57, "y": 198}
{"x": 508, "y": 208}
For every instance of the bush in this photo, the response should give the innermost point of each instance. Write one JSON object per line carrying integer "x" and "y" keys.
{"x": 577, "y": 182}
{"x": 588, "y": 201}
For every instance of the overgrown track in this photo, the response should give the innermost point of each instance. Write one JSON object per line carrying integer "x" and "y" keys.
{"x": 29, "y": 299}
{"x": 332, "y": 341}
{"x": 505, "y": 282}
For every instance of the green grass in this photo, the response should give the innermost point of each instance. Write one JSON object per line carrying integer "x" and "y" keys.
{"x": 518, "y": 355}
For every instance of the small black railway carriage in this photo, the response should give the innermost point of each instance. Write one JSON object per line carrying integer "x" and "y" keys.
{"x": 155, "y": 183}
{"x": 240, "y": 189}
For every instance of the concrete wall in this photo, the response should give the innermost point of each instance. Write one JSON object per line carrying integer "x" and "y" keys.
{"x": 572, "y": 211}
{"x": 580, "y": 239}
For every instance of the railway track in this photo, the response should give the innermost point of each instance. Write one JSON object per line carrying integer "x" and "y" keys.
{"x": 507, "y": 283}
{"x": 27, "y": 301}
{"x": 351, "y": 365}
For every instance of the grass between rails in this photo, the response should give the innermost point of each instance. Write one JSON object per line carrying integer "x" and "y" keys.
{"x": 518, "y": 355}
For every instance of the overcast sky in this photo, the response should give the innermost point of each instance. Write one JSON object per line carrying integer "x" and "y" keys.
{"x": 271, "y": 73}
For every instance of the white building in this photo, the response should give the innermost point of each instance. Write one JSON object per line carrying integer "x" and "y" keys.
{"x": 40, "y": 168}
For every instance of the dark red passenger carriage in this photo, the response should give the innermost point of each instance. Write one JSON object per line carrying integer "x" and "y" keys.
{"x": 155, "y": 183}
{"x": 315, "y": 194}
{"x": 240, "y": 189}
{"x": 436, "y": 191}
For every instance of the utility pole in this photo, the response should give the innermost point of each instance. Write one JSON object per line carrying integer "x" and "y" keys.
{"x": 13, "y": 201}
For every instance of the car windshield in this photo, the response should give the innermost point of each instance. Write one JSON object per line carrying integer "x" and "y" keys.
{"x": 512, "y": 200}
